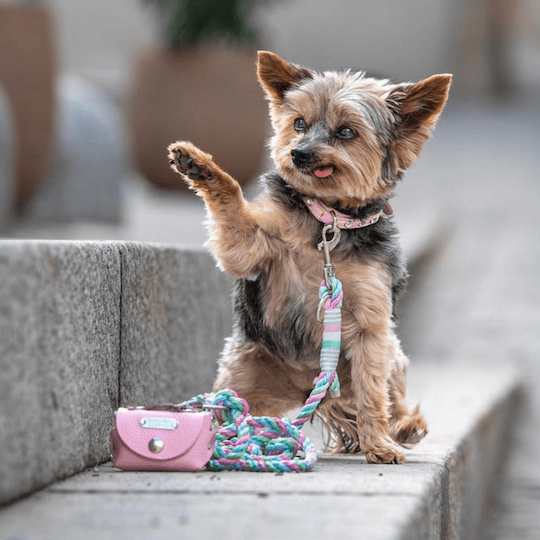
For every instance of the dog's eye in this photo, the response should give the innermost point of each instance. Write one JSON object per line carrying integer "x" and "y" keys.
{"x": 345, "y": 133}
{"x": 299, "y": 125}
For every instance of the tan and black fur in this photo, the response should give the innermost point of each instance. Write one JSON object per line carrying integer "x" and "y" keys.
{"x": 368, "y": 132}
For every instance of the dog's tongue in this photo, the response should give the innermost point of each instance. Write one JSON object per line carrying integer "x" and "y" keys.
{"x": 324, "y": 171}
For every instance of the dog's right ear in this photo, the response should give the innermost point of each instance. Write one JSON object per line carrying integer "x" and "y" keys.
{"x": 277, "y": 76}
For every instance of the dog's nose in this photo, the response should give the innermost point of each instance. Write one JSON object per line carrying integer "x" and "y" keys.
{"x": 302, "y": 156}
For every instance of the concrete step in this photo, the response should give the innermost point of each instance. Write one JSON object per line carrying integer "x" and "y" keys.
{"x": 441, "y": 492}
{"x": 86, "y": 327}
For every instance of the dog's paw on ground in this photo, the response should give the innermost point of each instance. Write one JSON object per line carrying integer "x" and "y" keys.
{"x": 384, "y": 454}
{"x": 411, "y": 430}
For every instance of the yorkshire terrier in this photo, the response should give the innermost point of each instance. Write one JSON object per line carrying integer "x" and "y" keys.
{"x": 341, "y": 143}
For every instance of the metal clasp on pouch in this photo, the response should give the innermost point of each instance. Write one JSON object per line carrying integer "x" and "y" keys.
{"x": 153, "y": 422}
{"x": 187, "y": 407}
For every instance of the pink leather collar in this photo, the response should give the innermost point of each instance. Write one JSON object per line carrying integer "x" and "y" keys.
{"x": 327, "y": 215}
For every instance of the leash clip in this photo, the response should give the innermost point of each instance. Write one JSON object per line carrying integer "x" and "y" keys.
{"x": 329, "y": 244}
{"x": 326, "y": 246}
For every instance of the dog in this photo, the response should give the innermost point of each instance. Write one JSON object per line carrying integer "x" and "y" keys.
{"x": 341, "y": 142}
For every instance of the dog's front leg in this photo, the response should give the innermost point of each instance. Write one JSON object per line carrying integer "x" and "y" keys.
{"x": 368, "y": 354}
{"x": 237, "y": 240}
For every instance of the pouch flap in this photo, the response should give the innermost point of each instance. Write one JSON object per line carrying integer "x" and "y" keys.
{"x": 177, "y": 431}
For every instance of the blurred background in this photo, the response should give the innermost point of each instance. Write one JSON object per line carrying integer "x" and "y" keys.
{"x": 91, "y": 94}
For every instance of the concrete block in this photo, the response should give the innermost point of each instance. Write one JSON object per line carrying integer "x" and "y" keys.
{"x": 439, "y": 493}
{"x": 85, "y": 180}
{"x": 7, "y": 162}
{"x": 59, "y": 350}
{"x": 176, "y": 312}
{"x": 200, "y": 516}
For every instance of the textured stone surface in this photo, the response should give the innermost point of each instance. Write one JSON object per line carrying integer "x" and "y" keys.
{"x": 85, "y": 326}
{"x": 7, "y": 161}
{"x": 438, "y": 494}
{"x": 59, "y": 348}
{"x": 175, "y": 314}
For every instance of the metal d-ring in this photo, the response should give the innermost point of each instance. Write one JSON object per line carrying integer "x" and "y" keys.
{"x": 320, "y": 310}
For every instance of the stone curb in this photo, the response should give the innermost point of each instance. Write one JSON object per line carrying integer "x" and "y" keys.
{"x": 442, "y": 492}
{"x": 65, "y": 302}
{"x": 86, "y": 327}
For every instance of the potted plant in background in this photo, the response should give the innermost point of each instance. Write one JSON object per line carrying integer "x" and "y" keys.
{"x": 200, "y": 86}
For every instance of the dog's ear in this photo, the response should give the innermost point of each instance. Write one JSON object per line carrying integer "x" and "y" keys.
{"x": 277, "y": 76}
{"x": 416, "y": 107}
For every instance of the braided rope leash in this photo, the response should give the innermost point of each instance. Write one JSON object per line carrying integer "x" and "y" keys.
{"x": 264, "y": 443}
{"x": 269, "y": 444}
{"x": 331, "y": 293}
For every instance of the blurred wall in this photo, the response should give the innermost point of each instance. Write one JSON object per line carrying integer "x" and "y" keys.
{"x": 489, "y": 45}
{"x": 97, "y": 39}
{"x": 404, "y": 40}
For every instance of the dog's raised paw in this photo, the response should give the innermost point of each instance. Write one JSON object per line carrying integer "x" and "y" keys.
{"x": 185, "y": 158}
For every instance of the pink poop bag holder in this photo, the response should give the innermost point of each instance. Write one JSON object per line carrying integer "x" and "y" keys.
{"x": 184, "y": 437}
{"x": 162, "y": 440}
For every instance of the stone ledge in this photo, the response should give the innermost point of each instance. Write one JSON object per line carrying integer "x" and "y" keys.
{"x": 50, "y": 310}
{"x": 86, "y": 327}
{"x": 176, "y": 312}
{"x": 59, "y": 350}
{"x": 440, "y": 493}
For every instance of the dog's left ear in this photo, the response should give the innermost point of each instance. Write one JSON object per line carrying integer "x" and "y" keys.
{"x": 416, "y": 107}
